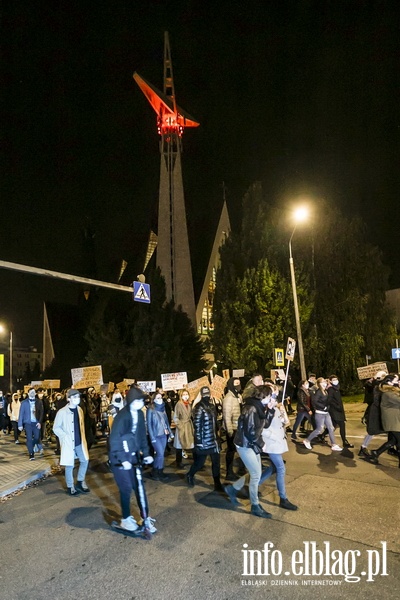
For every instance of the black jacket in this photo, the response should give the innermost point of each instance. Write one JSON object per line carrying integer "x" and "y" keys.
{"x": 320, "y": 401}
{"x": 303, "y": 401}
{"x": 125, "y": 445}
{"x": 336, "y": 408}
{"x": 205, "y": 427}
{"x": 252, "y": 421}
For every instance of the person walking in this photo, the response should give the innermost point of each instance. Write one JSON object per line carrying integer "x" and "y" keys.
{"x": 231, "y": 409}
{"x": 304, "y": 410}
{"x": 336, "y": 409}
{"x": 128, "y": 450}
{"x": 205, "y": 439}
{"x": 258, "y": 412}
{"x": 159, "y": 431}
{"x": 390, "y": 415}
{"x": 30, "y": 418}
{"x": 184, "y": 432}
{"x": 69, "y": 427}
{"x": 13, "y": 412}
{"x": 320, "y": 402}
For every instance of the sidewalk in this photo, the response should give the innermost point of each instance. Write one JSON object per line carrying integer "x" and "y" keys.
{"x": 16, "y": 470}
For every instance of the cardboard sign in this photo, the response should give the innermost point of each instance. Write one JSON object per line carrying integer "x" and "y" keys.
{"x": 147, "y": 386}
{"x": 85, "y": 377}
{"x": 225, "y": 373}
{"x": 36, "y": 384}
{"x": 173, "y": 381}
{"x": 290, "y": 348}
{"x": 238, "y": 373}
{"x": 194, "y": 386}
{"x": 277, "y": 374}
{"x": 370, "y": 370}
{"x": 218, "y": 387}
{"x": 124, "y": 385}
{"x": 51, "y": 384}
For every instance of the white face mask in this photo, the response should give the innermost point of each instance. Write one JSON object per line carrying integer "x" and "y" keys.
{"x": 306, "y": 386}
{"x": 323, "y": 384}
{"x": 335, "y": 382}
{"x": 158, "y": 400}
{"x": 74, "y": 401}
{"x": 185, "y": 397}
{"x": 137, "y": 405}
{"x": 31, "y": 395}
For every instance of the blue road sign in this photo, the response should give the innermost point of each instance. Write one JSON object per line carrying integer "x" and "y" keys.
{"x": 395, "y": 352}
{"x": 141, "y": 292}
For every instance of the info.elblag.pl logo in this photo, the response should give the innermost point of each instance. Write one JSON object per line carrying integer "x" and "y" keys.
{"x": 311, "y": 561}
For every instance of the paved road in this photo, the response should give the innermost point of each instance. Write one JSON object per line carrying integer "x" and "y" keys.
{"x": 58, "y": 547}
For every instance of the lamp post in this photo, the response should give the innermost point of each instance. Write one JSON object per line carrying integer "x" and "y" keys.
{"x": 300, "y": 215}
{"x": 3, "y": 330}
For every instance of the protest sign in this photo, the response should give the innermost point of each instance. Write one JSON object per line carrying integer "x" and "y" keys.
{"x": 173, "y": 381}
{"x": 371, "y": 370}
{"x": 218, "y": 386}
{"x": 147, "y": 386}
{"x": 193, "y": 387}
{"x": 51, "y": 384}
{"x": 85, "y": 377}
{"x": 238, "y": 373}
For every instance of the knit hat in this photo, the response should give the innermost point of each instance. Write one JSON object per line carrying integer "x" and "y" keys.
{"x": 205, "y": 391}
{"x": 134, "y": 393}
{"x": 72, "y": 392}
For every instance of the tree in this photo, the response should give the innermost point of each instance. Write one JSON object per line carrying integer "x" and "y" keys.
{"x": 142, "y": 341}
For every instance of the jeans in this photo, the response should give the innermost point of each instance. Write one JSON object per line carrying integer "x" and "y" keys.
{"x": 200, "y": 459}
{"x": 32, "y": 436}
{"x": 300, "y": 416}
{"x": 278, "y": 467}
{"x": 252, "y": 462}
{"x": 14, "y": 425}
{"x": 83, "y": 465}
{"x": 159, "y": 448}
{"x": 323, "y": 420}
{"x": 126, "y": 482}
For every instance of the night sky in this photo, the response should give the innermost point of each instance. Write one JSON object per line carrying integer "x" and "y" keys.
{"x": 302, "y": 95}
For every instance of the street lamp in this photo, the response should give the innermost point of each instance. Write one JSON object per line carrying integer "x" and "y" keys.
{"x": 3, "y": 330}
{"x": 300, "y": 215}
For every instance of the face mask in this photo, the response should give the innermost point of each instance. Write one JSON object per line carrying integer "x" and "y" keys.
{"x": 323, "y": 385}
{"x": 237, "y": 388}
{"x": 266, "y": 400}
{"x": 58, "y": 398}
{"x": 31, "y": 395}
{"x": 335, "y": 382}
{"x": 40, "y": 396}
{"x": 185, "y": 398}
{"x": 274, "y": 395}
{"x": 75, "y": 401}
{"x": 137, "y": 405}
{"x": 158, "y": 401}
{"x": 306, "y": 386}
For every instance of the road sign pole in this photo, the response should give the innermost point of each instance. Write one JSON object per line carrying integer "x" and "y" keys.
{"x": 284, "y": 385}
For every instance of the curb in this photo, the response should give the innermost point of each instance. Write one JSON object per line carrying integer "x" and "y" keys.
{"x": 26, "y": 482}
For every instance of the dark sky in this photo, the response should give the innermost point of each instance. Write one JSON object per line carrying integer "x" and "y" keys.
{"x": 303, "y": 95}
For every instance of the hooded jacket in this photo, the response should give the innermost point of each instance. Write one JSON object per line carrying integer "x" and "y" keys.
{"x": 126, "y": 445}
{"x": 390, "y": 407}
{"x": 251, "y": 424}
{"x": 231, "y": 407}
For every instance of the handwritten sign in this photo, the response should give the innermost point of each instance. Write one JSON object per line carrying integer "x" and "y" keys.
{"x": 173, "y": 381}
{"x": 371, "y": 370}
{"x": 194, "y": 386}
{"x": 218, "y": 386}
{"x": 85, "y": 377}
{"x": 147, "y": 386}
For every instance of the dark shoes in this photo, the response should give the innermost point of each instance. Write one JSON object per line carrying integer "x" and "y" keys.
{"x": 162, "y": 476}
{"x": 231, "y": 493}
{"x": 82, "y": 487}
{"x": 190, "y": 480}
{"x": 373, "y": 457}
{"x": 363, "y": 452}
{"x": 284, "y": 503}
{"x": 348, "y": 445}
{"x": 218, "y": 487}
{"x": 258, "y": 511}
{"x": 154, "y": 475}
{"x": 230, "y": 475}
{"x": 32, "y": 456}
{"x": 72, "y": 491}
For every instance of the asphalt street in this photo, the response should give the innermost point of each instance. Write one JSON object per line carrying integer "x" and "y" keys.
{"x": 343, "y": 542}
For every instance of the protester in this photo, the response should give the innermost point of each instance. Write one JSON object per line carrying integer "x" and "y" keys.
{"x": 231, "y": 406}
{"x": 390, "y": 415}
{"x": 30, "y": 418}
{"x": 320, "y": 402}
{"x": 372, "y": 414}
{"x": 184, "y": 432}
{"x": 69, "y": 427}
{"x": 205, "y": 439}
{"x": 13, "y": 412}
{"x": 128, "y": 449}
{"x": 336, "y": 409}
{"x": 275, "y": 444}
{"x": 254, "y": 382}
{"x": 303, "y": 406}
{"x": 258, "y": 412}
{"x": 159, "y": 431}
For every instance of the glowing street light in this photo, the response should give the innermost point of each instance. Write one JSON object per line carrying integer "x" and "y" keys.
{"x": 4, "y": 330}
{"x": 299, "y": 216}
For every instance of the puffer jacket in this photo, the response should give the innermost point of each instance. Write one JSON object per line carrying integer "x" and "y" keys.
{"x": 251, "y": 423}
{"x": 231, "y": 407}
{"x": 390, "y": 407}
{"x": 205, "y": 427}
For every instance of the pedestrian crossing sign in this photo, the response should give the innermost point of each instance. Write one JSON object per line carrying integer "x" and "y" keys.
{"x": 141, "y": 292}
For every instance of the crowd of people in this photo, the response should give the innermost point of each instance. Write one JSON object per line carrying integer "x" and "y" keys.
{"x": 140, "y": 429}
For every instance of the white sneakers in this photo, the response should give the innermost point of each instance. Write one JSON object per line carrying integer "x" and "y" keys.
{"x": 336, "y": 448}
{"x": 148, "y": 523}
{"x": 129, "y": 524}
{"x": 307, "y": 444}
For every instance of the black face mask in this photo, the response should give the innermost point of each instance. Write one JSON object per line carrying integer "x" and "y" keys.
{"x": 237, "y": 388}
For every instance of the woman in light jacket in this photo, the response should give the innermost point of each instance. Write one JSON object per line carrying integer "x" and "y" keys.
{"x": 13, "y": 412}
{"x": 184, "y": 436}
{"x": 275, "y": 445}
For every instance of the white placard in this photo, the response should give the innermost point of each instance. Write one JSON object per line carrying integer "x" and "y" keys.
{"x": 173, "y": 381}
